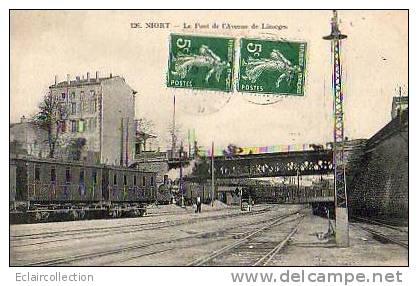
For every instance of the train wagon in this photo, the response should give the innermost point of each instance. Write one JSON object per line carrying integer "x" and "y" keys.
{"x": 50, "y": 190}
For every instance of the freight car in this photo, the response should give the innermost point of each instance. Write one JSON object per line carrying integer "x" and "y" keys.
{"x": 193, "y": 190}
{"x": 281, "y": 194}
{"x": 51, "y": 190}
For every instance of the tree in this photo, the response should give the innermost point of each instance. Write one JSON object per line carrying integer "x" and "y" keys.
{"x": 232, "y": 150}
{"x": 174, "y": 131}
{"x": 51, "y": 117}
{"x": 145, "y": 130}
{"x": 145, "y": 125}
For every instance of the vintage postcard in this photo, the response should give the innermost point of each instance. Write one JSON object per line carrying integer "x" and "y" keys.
{"x": 208, "y": 138}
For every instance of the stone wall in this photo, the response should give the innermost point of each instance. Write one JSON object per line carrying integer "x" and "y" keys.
{"x": 159, "y": 166}
{"x": 380, "y": 188}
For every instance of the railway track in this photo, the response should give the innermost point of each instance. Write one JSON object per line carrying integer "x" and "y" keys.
{"x": 66, "y": 235}
{"x": 255, "y": 248}
{"x": 137, "y": 250}
{"x": 384, "y": 232}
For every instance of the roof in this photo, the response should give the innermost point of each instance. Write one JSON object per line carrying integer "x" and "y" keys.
{"x": 80, "y": 82}
{"x": 401, "y": 99}
{"x": 29, "y": 123}
{"x": 15, "y": 158}
{"x": 143, "y": 134}
{"x": 84, "y": 81}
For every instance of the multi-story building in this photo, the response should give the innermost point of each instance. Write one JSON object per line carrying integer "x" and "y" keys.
{"x": 399, "y": 103}
{"x": 28, "y": 139}
{"x": 99, "y": 118}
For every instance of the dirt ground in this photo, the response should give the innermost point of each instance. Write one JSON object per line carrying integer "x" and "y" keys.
{"x": 306, "y": 249}
{"x": 170, "y": 235}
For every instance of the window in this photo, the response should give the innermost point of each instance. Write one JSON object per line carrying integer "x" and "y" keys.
{"x": 81, "y": 95}
{"x": 143, "y": 181}
{"x": 94, "y": 103}
{"x": 86, "y": 125}
{"x": 81, "y": 176}
{"x": 137, "y": 148}
{"x": 73, "y": 108}
{"x": 73, "y": 126}
{"x": 92, "y": 93}
{"x": 115, "y": 179}
{"x": 63, "y": 95}
{"x": 92, "y": 124}
{"x": 73, "y": 95}
{"x": 134, "y": 180}
{"x": 125, "y": 180}
{"x": 152, "y": 181}
{"x": 81, "y": 127}
{"x": 68, "y": 175}
{"x": 53, "y": 175}
{"x": 94, "y": 177}
{"x": 62, "y": 126}
{"x": 37, "y": 173}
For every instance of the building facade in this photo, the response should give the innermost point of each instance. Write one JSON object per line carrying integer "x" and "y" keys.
{"x": 99, "y": 121}
{"x": 28, "y": 139}
{"x": 399, "y": 104}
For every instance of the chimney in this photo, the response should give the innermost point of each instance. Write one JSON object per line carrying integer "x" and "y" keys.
{"x": 97, "y": 75}
{"x": 77, "y": 78}
{"x": 88, "y": 76}
{"x": 56, "y": 80}
{"x": 68, "y": 78}
{"x": 110, "y": 75}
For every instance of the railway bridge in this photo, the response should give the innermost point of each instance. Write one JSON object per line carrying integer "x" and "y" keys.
{"x": 319, "y": 162}
{"x": 280, "y": 164}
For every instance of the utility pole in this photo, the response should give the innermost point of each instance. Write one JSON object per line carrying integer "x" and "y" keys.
{"x": 126, "y": 143}
{"x": 173, "y": 134}
{"x": 298, "y": 177}
{"x": 189, "y": 143}
{"x": 340, "y": 189}
{"x": 181, "y": 174}
{"x": 121, "y": 141}
{"x": 213, "y": 172}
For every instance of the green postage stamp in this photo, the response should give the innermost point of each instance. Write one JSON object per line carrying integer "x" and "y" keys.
{"x": 268, "y": 66}
{"x": 200, "y": 62}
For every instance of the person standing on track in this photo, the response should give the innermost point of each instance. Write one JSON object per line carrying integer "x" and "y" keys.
{"x": 198, "y": 205}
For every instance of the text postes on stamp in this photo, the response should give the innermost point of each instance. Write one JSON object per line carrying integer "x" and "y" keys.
{"x": 200, "y": 62}
{"x": 270, "y": 66}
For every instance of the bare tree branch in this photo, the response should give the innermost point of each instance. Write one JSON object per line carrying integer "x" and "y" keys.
{"x": 51, "y": 117}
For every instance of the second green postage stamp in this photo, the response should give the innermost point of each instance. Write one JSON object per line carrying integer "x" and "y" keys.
{"x": 275, "y": 67}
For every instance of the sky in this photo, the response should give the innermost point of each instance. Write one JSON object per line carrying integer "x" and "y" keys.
{"x": 374, "y": 57}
